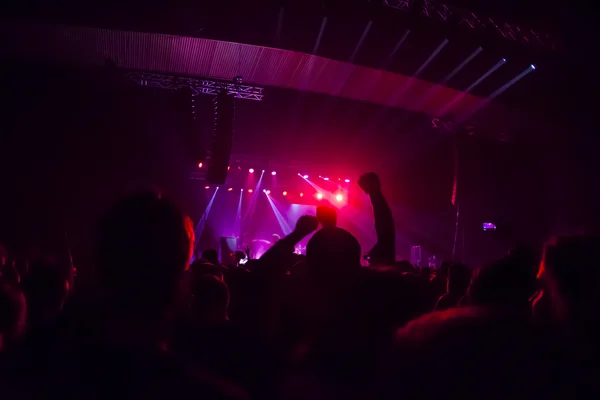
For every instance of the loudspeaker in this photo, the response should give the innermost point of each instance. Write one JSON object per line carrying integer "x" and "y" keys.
{"x": 220, "y": 152}
{"x": 228, "y": 249}
{"x": 189, "y": 127}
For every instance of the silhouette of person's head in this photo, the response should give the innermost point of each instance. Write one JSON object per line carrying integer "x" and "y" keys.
{"x": 570, "y": 278}
{"x": 46, "y": 288}
{"x": 333, "y": 251}
{"x": 210, "y": 300}
{"x": 459, "y": 277}
{"x": 505, "y": 283}
{"x": 13, "y": 312}
{"x": 211, "y": 255}
{"x": 201, "y": 268}
{"x": 327, "y": 216}
{"x": 144, "y": 245}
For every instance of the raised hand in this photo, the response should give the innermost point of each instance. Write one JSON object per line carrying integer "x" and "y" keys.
{"x": 247, "y": 251}
{"x": 369, "y": 183}
{"x": 306, "y": 225}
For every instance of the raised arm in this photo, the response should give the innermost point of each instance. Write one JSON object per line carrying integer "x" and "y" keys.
{"x": 384, "y": 251}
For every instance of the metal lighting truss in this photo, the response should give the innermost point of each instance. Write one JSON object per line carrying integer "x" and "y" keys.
{"x": 476, "y": 22}
{"x": 197, "y": 85}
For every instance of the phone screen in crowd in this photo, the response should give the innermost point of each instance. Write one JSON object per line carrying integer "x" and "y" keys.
{"x": 488, "y": 226}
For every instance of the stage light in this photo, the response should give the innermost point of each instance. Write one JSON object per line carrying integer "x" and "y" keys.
{"x": 241, "y": 190}
{"x": 325, "y": 179}
{"x": 532, "y": 66}
{"x": 268, "y": 192}
{"x": 230, "y": 189}
{"x": 347, "y": 180}
{"x": 339, "y": 197}
{"x": 319, "y": 196}
{"x": 301, "y": 194}
{"x": 250, "y": 190}
{"x": 264, "y": 190}
{"x": 206, "y": 187}
{"x": 251, "y": 170}
{"x": 285, "y": 193}
{"x": 263, "y": 171}
{"x": 228, "y": 167}
{"x": 504, "y": 60}
{"x": 200, "y": 165}
{"x": 305, "y": 176}
{"x": 273, "y": 173}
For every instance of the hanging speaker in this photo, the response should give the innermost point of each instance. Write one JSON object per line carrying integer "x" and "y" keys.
{"x": 222, "y": 140}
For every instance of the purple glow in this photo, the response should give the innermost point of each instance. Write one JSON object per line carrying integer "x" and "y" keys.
{"x": 273, "y": 173}
{"x": 251, "y": 170}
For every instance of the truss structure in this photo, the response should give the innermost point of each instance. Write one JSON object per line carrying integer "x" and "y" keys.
{"x": 476, "y": 22}
{"x": 197, "y": 85}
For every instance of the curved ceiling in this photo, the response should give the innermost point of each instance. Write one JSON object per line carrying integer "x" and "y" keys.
{"x": 178, "y": 55}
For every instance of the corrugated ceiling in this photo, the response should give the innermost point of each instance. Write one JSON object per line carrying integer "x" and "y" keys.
{"x": 258, "y": 65}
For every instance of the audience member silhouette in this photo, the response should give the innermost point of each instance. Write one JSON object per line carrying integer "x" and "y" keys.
{"x": 459, "y": 277}
{"x": 13, "y": 311}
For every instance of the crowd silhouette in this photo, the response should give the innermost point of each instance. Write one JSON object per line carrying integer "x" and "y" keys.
{"x": 144, "y": 322}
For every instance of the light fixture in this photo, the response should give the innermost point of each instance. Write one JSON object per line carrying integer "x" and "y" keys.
{"x": 319, "y": 196}
{"x": 285, "y": 193}
{"x": 200, "y": 165}
{"x": 339, "y": 197}
{"x": 251, "y": 170}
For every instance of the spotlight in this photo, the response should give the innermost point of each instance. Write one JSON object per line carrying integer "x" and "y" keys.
{"x": 325, "y": 179}
{"x": 305, "y": 176}
{"x": 273, "y": 173}
{"x": 347, "y": 180}
{"x": 241, "y": 190}
{"x": 206, "y": 187}
{"x": 250, "y": 190}
{"x": 532, "y": 66}
{"x": 285, "y": 193}
{"x": 301, "y": 194}
{"x": 251, "y": 170}
{"x": 339, "y": 197}
{"x": 319, "y": 196}
{"x": 228, "y": 168}
{"x": 263, "y": 171}
{"x": 504, "y": 60}
{"x": 230, "y": 189}
{"x": 268, "y": 192}
{"x": 200, "y": 165}
{"x": 264, "y": 190}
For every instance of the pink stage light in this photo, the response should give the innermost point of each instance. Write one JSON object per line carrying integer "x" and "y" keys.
{"x": 339, "y": 197}
{"x": 250, "y": 190}
{"x": 273, "y": 173}
{"x": 251, "y": 170}
{"x": 301, "y": 194}
{"x": 319, "y": 196}
{"x": 325, "y": 179}
{"x": 268, "y": 192}
{"x": 200, "y": 165}
{"x": 230, "y": 189}
{"x": 305, "y": 176}
{"x": 206, "y": 187}
{"x": 347, "y": 180}
{"x": 285, "y": 193}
